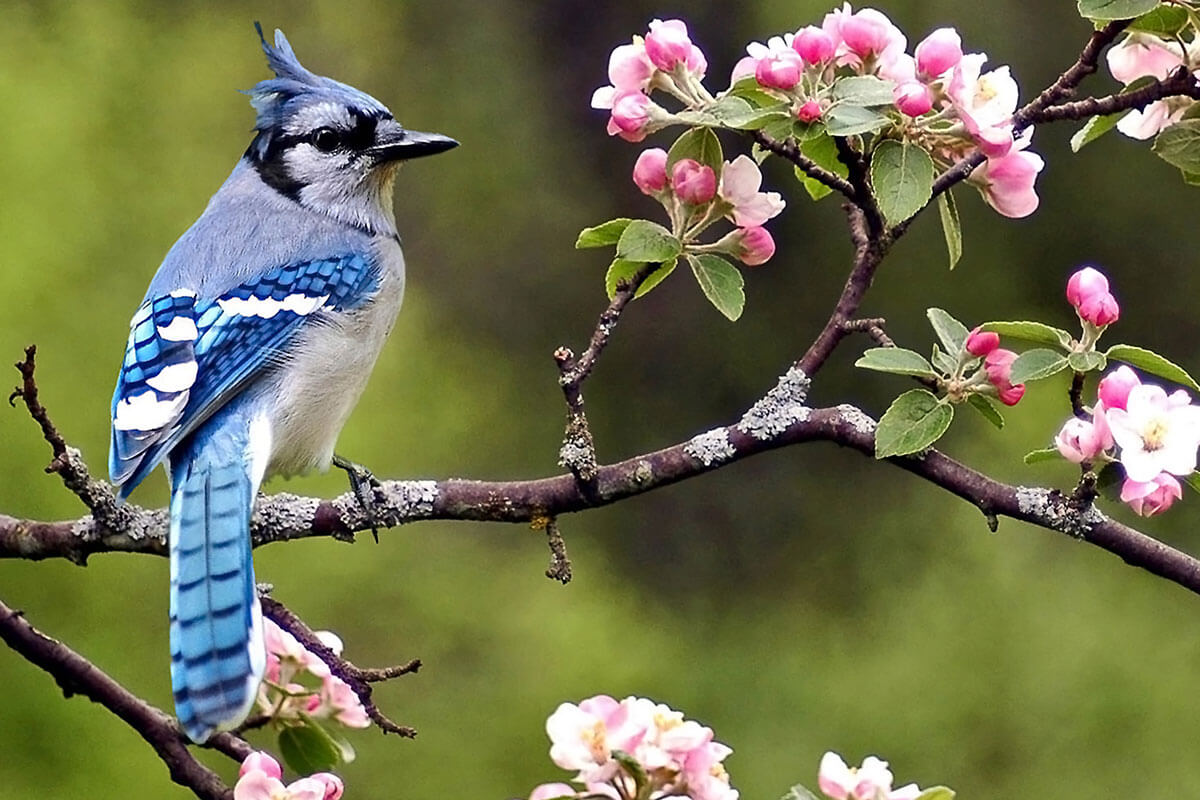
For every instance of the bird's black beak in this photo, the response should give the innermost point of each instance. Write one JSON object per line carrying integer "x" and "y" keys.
{"x": 394, "y": 143}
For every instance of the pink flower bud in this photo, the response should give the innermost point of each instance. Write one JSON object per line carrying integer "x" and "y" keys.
{"x": 263, "y": 763}
{"x": 998, "y": 366}
{"x": 980, "y": 343}
{"x": 630, "y": 114}
{"x": 755, "y": 246}
{"x": 333, "y": 784}
{"x": 650, "y": 171}
{"x": 779, "y": 70}
{"x": 1079, "y": 440}
{"x": 1084, "y": 284}
{"x": 939, "y": 51}
{"x": 868, "y": 33}
{"x": 667, "y": 44}
{"x": 1151, "y": 497}
{"x": 913, "y": 98}
{"x": 547, "y": 791}
{"x": 1100, "y": 310}
{"x": 1115, "y": 387}
{"x": 629, "y": 69}
{"x": 814, "y": 45}
{"x": 809, "y": 112}
{"x": 693, "y": 182}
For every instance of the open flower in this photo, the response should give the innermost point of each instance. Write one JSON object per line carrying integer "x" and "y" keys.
{"x": 1006, "y": 181}
{"x": 1156, "y": 432}
{"x": 871, "y": 781}
{"x": 740, "y": 181}
{"x": 1148, "y": 498}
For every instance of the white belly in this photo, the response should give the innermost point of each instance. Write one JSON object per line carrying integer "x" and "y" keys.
{"x": 317, "y": 388}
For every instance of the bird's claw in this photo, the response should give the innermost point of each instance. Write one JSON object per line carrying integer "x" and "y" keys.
{"x": 363, "y": 483}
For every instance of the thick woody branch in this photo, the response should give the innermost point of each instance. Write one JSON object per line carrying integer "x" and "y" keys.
{"x": 76, "y": 675}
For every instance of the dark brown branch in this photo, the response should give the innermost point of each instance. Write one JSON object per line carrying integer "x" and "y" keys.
{"x": 1075, "y": 395}
{"x": 1180, "y": 83}
{"x": 359, "y": 680}
{"x": 790, "y": 151}
{"x": 76, "y": 675}
{"x": 872, "y": 327}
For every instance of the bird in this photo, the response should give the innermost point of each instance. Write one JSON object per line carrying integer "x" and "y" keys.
{"x": 250, "y": 349}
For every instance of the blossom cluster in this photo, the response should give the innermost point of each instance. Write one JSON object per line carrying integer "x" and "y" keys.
{"x": 284, "y": 695}
{"x": 695, "y": 196}
{"x": 634, "y": 748}
{"x": 871, "y": 781}
{"x": 261, "y": 778}
{"x": 1145, "y": 55}
{"x": 997, "y": 367}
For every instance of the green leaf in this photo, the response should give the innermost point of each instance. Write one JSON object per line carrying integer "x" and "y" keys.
{"x": 942, "y": 361}
{"x": 915, "y": 420}
{"x": 1192, "y": 479}
{"x": 1109, "y": 480}
{"x": 897, "y": 361}
{"x": 1153, "y": 363}
{"x": 951, "y": 227}
{"x": 621, "y": 269}
{"x": 779, "y": 129}
{"x": 1190, "y": 178}
{"x": 721, "y": 282}
{"x": 850, "y": 120}
{"x": 647, "y": 241}
{"x": 1031, "y": 332}
{"x": 1087, "y": 362}
{"x": 987, "y": 407}
{"x": 937, "y": 793}
{"x": 1165, "y": 21}
{"x": 1036, "y": 364}
{"x": 1179, "y": 145}
{"x": 952, "y": 333}
{"x": 308, "y": 748}
{"x": 823, "y": 151}
{"x": 633, "y": 767}
{"x": 902, "y": 179}
{"x": 700, "y": 144}
{"x": 1094, "y": 128}
{"x": 603, "y": 235}
{"x": 743, "y": 116}
{"x": 863, "y": 91}
{"x": 1045, "y": 454}
{"x": 799, "y": 792}
{"x": 749, "y": 90}
{"x": 1114, "y": 9}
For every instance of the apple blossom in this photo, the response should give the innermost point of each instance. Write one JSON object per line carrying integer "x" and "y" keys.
{"x": 938, "y": 52}
{"x": 1148, "y": 122}
{"x": 997, "y": 366}
{"x": 549, "y": 791}
{"x": 1156, "y": 433}
{"x": 693, "y": 182}
{"x": 262, "y": 762}
{"x": 913, "y": 98}
{"x": 1081, "y": 440}
{"x": 756, "y": 52}
{"x": 779, "y": 70}
{"x": 650, "y": 171}
{"x": 871, "y": 781}
{"x": 258, "y": 784}
{"x": 981, "y": 342}
{"x": 1148, "y": 498}
{"x": 740, "y": 181}
{"x": 864, "y": 35}
{"x": 984, "y": 102}
{"x": 630, "y": 115}
{"x": 1087, "y": 291}
{"x": 809, "y": 111}
{"x": 583, "y": 736}
{"x": 755, "y": 246}
{"x": 1114, "y": 387}
{"x": 814, "y": 45}
{"x": 1006, "y": 181}
{"x": 1141, "y": 55}
{"x": 667, "y": 44}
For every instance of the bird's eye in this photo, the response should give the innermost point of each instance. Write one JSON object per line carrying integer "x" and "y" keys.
{"x": 326, "y": 139}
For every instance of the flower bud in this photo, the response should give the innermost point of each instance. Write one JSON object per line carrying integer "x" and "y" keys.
{"x": 667, "y": 44}
{"x": 1115, "y": 387}
{"x": 1085, "y": 283}
{"x": 779, "y": 70}
{"x": 693, "y": 182}
{"x": 1151, "y": 497}
{"x": 650, "y": 171}
{"x": 809, "y": 112}
{"x": 333, "y": 784}
{"x": 814, "y": 45}
{"x": 630, "y": 114}
{"x": 756, "y": 246}
{"x": 263, "y": 763}
{"x": 1079, "y": 440}
{"x": 1100, "y": 310}
{"x": 939, "y": 51}
{"x": 980, "y": 343}
{"x": 913, "y": 98}
{"x": 998, "y": 366}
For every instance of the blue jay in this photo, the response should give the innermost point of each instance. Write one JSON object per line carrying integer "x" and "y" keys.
{"x": 250, "y": 349}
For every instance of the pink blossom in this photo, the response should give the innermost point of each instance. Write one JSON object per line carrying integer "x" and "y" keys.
{"x": 1007, "y": 180}
{"x": 814, "y": 45}
{"x": 1081, "y": 440}
{"x": 650, "y": 171}
{"x": 258, "y": 785}
{"x": 740, "y": 181}
{"x": 583, "y": 736}
{"x": 984, "y": 102}
{"x": 629, "y": 69}
{"x": 981, "y": 342}
{"x": 1156, "y": 433}
{"x": 756, "y": 246}
{"x": 549, "y": 791}
{"x": 938, "y": 52}
{"x": 998, "y": 367}
{"x": 693, "y": 182}
{"x": 809, "y": 111}
{"x": 1151, "y": 497}
{"x": 913, "y": 98}
{"x": 338, "y": 700}
{"x": 779, "y": 70}
{"x": 262, "y": 762}
{"x": 776, "y": 46}
{"x": 1115, "y": 387}
{"x": 1087, "y": 291}
{"x": 864, "y": 35}
{"x": 630, "y": 115}
{"x": 1149, "y": 121}
{"x": 1142, "y": 55}
{"x": 333, "y": 784}
{"x": 667, "y": 44}
{"x": 871, "y": 781}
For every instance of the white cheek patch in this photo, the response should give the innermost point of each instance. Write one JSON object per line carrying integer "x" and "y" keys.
{"x": 309, "y": 118}
{"x": 145, "y": 412}
{"x": 180, "y": 329}
{"x": 174, "y": 378}
{"x": 267, "y": 307}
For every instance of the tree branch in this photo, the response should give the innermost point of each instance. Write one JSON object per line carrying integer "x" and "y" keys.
{"x": 790, "y": 151}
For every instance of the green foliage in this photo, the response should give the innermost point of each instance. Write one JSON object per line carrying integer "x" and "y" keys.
{"x": 799, "y": 792}
{"x": 622, "y": 270}
{"x": 951, "y": 227}
{"x": 823, "y": 151}
{"x": 1179, "y": 145}
{"x": 1042, "y": 455}
{"x": 1031, "y": 332}
{"x": 647, "y": 242}
{"x": 700, "y": 144}
{"x": 1033, "y": 365}
{"x": 1166, "y": 21}
{"x": 913, "y": 422}
{"x": 721, "y": 283}
{"x": 937, "y": 793}
{"x": 902, "y": 179}
{"x": 1114, "y": 9}
{"x": 897, "y": 361}
{"x": 310, "y": 748}
{"x": 950, "y": 332}
{"x": 1088, "y": 361}
{"x": 1153, "y": 363}
{"x": 987, "y": 409}
{"x": 1094, "y": 128}
{"x": 604, "y": 235}
{"x": 848, "y": 120}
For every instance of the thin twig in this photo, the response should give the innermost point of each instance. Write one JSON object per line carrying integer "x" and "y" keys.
{"x": 560, "y": 565}
{"x": 789, "y": 150}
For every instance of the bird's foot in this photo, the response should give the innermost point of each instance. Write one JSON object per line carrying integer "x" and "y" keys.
{"x": 363, "y": 483}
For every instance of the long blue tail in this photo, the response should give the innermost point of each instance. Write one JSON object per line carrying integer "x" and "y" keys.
{"x": 217, "y": 655}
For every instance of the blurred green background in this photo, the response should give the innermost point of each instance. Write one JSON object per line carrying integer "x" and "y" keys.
{"x": 803, "y": 600}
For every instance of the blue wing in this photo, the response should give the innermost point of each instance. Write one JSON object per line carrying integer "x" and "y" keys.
{"x": 187, "y": 356}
